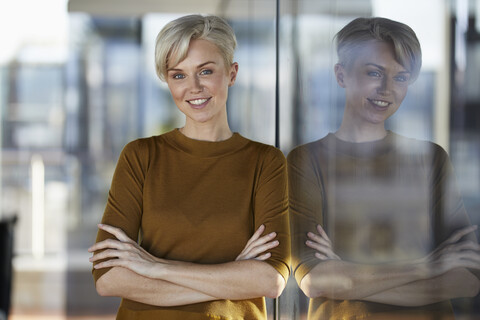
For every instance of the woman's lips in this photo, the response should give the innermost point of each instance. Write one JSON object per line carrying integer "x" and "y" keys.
{"x": 198, "y": 103}
{"x": 380, "y": 104}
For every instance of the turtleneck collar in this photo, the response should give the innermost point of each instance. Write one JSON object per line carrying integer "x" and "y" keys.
{"x": 205, "y": 149}
{"x": 361, "y": 149}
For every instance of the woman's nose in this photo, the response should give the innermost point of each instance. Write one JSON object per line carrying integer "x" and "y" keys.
{"x": 195, "y": 84}
{"x": 385, "y": 86}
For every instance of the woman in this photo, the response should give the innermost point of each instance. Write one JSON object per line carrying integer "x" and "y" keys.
{"x": 399, "y": 242}
{"x": 194, "y": 197}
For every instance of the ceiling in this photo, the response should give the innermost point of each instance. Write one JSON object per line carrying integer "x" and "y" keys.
{"x": 225, "y": 8}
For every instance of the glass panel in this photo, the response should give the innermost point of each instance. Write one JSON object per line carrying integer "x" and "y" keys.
{"x": 439, "y": 107}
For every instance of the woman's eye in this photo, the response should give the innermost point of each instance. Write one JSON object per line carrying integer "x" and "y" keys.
{"x": 206, "y": 71}
{"x": 374, "y": 74}
{"x": 401, "y": 78}
{"x": 178, "y": 76}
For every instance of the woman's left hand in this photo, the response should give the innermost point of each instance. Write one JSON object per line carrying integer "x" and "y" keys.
{"x": 321, "y": 243}
{"x": 257, "y": 246}
{"x": 123, "y": 252}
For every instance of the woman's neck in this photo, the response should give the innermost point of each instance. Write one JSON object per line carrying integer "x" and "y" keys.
{"x": 206, "y": 132}
{"x": 360, "y": 133}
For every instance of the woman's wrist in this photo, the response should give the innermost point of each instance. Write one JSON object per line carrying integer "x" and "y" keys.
{"x": 420, "y": 269}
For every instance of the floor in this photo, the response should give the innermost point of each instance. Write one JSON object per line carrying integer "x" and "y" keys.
{"x": 59, "y": 317}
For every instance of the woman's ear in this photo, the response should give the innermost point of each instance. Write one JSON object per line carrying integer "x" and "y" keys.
{"x": 233, "y": 73}
{"x": 340, "y": 74}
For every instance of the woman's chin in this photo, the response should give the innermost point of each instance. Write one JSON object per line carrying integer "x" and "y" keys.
{"x": 201, "y": 119}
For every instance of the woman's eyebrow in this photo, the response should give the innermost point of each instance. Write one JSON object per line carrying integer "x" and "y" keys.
{"x": 198, "y": 67}
{"x": 383, "y": 68}
{"x": 375, "y": 65}
{"x": 204, "y": 64}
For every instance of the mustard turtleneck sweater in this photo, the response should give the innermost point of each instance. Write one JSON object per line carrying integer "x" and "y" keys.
{"x": 200, "y": 202}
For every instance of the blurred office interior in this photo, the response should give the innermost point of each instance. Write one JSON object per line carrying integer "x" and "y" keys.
{"x": 77, "y": 82}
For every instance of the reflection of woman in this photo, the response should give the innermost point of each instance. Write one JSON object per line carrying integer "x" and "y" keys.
{"x": 195, "y": 196}
{"x": 397, "y": 243}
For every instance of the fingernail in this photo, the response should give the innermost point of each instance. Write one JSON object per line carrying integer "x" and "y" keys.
{"x": 308, "y": 242}
{"x": 275, "y": 242}
{"x": 272, "y": 234}
{"x": 100, "y": 225}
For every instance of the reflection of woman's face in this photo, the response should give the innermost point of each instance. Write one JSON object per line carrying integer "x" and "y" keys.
{"x": 199, "y": 83}
{"x": 375, "y": 85}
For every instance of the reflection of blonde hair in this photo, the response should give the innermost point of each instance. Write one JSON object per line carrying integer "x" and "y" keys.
{"x": 403, "y": 39}
{"x": 174, "y": 39}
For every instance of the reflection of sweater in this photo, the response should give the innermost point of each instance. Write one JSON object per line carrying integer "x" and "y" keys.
{"x": 382, "y": 201}
{"x": 200, "y": 202}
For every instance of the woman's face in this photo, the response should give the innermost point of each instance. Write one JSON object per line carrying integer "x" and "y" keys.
{"x": 375, "y": 84}
{"x": 199, "y": 83}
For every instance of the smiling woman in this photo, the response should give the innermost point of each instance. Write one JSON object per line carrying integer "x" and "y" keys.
{"x": 214, "y": 227}
{"x": 376, "y": 85}
{"x": 199, "y": 86}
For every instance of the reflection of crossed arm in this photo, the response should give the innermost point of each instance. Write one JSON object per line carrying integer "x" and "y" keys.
{"x": 439, "y": 276}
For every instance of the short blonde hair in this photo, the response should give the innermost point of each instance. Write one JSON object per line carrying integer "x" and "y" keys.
{"x": 174, "y": 39}
{"x": 361, "y": 30}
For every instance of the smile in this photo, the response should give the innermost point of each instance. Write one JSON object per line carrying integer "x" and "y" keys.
{"x": 198, "y": 102}
{"x": 379, "y": 103}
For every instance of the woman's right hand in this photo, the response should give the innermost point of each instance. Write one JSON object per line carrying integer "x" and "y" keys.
{"x": 322, "y": 244}
{"x": 257, "y": 245}
{"x": 453, "y": 253}
{"x": 123, "y": 252}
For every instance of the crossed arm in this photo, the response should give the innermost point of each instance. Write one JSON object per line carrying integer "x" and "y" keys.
{"x": 137, "y": 275}
{"x": 441, "y": 275}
